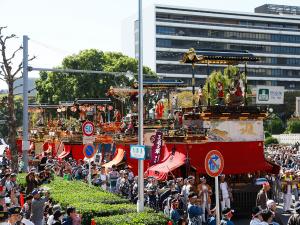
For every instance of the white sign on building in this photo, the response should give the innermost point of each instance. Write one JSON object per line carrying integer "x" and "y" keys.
{"x": 268, "y": 95}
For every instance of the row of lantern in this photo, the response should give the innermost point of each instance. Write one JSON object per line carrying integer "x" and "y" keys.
{"x": 87, "y": 108}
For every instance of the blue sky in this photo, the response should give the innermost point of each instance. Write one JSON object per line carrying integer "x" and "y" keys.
{"x": 62, "y": 27}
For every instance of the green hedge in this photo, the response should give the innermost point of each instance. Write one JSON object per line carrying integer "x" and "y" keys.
{"x": 93, "y": 202}
{"x": 133, "y": 219}
{"x": 89, "y": 201}
{"x": 271, "y": 140}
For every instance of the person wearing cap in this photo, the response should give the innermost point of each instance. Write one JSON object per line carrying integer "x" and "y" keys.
{"x": 194, "y": 211}
{"x": 295, "y": 218}
{"x": 3, "y": 216}
{"x": 271, "y": 204}
{"x": 262, "y": 196}
{"x": 227, "y": 214}
{"x": 286, "y": 187}
{"x": 204, "y": 194}
{"x": 225, "y": 193}
{"x": 15, "y": 217}
{"x": 37, "y": 207}
{"x": 256, "y": 216}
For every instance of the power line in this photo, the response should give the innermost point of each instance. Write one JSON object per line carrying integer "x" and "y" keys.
{"x": 52, "y": 48}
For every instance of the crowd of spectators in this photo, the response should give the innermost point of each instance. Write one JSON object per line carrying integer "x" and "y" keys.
{"x": 187, "y": 200}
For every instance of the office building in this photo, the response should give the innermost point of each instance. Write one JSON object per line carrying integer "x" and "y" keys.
{"x": 169, "y": 31}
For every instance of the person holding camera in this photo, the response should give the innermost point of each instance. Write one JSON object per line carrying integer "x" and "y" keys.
{"x": 37, "y": 207}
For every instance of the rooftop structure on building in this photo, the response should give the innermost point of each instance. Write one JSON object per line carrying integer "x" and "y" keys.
{"x": 278, "y": 9}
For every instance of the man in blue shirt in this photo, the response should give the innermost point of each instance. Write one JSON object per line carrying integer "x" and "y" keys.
{"x": 194, "y": 210}
{"x": 227, "y": 214}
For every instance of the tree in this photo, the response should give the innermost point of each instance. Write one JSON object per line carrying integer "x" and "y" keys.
{"x": 18, "y": 101}
{"x": 53, "y": 87}
{"x": 293, "y": 126}
{"x": 10, "y": 75}
{"x": 226, "y": 78}
{"x": 274, "y": 125}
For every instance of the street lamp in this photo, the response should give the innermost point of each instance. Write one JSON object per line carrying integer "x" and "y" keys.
{"x": 270, "y": 119}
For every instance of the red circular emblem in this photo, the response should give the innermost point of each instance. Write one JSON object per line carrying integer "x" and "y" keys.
{"x": 214, "y": 163}
{"x": 88, "y": 128}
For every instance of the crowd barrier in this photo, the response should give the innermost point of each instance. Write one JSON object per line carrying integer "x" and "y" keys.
{"x": 287, "y": 138}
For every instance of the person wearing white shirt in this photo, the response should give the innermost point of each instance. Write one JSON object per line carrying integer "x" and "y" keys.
{"x": 51, "y": 217}
{"x": 225, "y": 193}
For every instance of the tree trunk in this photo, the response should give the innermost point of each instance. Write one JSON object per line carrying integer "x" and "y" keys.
{"x": 12, "y": 127}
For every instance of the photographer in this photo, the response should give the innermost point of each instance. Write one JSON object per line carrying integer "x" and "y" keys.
{"x": 37, "y": 207}
{"x": 31, "y": 182}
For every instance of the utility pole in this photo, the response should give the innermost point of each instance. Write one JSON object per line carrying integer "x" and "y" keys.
{"x": 25, "y": 142}
{"x": 140, "y": 202}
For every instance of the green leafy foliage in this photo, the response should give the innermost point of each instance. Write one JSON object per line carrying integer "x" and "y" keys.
{"x": 18, "y": 106}
{"x": 267, "y": 134}
{"x": 293, "y": 126}
{"x": 271, "y": 140}
{"x": 133, "y": 219}
{"x": 226, "y": 77}
{"x": 53, "y": 87}
{"x": 274, "y": 125}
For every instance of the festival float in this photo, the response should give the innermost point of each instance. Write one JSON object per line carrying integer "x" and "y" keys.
{"x": 179, "y": 128}
{"x": 180, "y": 137}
